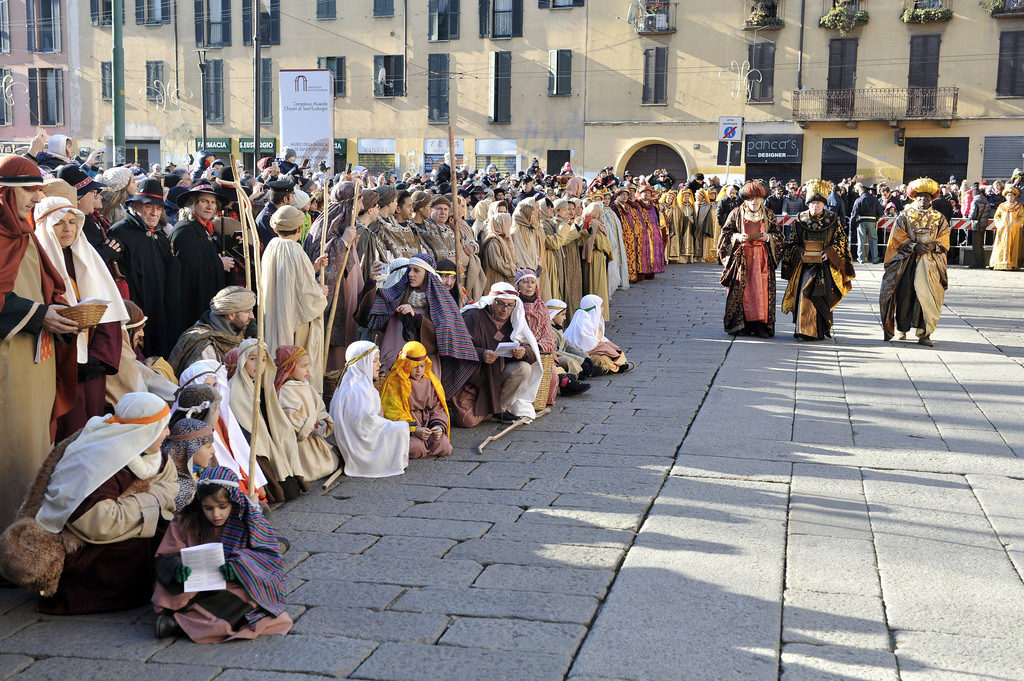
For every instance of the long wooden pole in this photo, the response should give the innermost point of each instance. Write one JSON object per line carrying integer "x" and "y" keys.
{"x": 326, "y": 226}
{"x": 341, "y": 273}
{"x": 456, "y": 227}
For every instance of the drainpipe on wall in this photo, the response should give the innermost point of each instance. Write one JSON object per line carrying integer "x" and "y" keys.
{"x": 800, "y": 48}
{"x": 177, "y": 52}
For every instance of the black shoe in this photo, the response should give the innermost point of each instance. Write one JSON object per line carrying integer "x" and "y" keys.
{"x": 166, "y": 626}
{"x": 505, "y": 417}
{"x": 925, "y": 340}
{"x": 627, "y": 367}
{"x": 573, "y": 387}
{"x": 763, "y": 333}
{"x": 290, "y": 488}
{"x": 588, "y": 369}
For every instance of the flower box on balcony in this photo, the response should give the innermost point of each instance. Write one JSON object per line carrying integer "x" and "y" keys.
{"x": 763, "y": 15}
{"x": 1004, "y": 8}
{"x": 843, "y": 18}
{"x": 913, "y": 15}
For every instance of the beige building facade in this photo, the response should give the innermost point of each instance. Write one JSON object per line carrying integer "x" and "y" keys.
{"x": 852, "y": 88}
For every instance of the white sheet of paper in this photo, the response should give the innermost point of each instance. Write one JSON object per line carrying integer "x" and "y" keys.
{"x": 204, "y": 560}
{"x": 96, "y": 301}
{"x": 505, "y": 349}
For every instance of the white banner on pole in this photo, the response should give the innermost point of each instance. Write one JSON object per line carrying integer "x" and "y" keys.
{"x": 307, "y": 114}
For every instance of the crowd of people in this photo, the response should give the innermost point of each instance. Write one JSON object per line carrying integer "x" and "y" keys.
{"x": 151, "y": 351}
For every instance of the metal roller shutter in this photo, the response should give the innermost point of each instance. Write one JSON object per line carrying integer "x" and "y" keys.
{"x": 1002, "y": 155}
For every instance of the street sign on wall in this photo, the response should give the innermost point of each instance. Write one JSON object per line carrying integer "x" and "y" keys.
{"x": 730, "y": 128}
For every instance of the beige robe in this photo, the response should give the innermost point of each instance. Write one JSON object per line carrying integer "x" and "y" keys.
{"x": 135, "y": 377}
{"x": 304, "y": 407}
{"x": 595, "y": 272}
{"x": 293, "y": 304}
{"x": 27, "y": 392}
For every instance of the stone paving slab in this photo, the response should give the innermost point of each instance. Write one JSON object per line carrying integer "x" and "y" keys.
{"x": 291, "y": 653}
{"x": 411, "y": 662}
{"x": 514, "y": 634}
{"x": 387, "y": 625}
{"x": 67, "y": 668}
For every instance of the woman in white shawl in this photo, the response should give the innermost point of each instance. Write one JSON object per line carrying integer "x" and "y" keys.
{"x": 618, "y": 269}
{"x": 85, "y": 275}
{"x": 480, "y": 211}
{"x": 528, "y": 236}
{"x": 586, "y": 331}
{"x": 230, "y": 447}
{"x": 371, "y": 445}
{"x": 293, "y": 300}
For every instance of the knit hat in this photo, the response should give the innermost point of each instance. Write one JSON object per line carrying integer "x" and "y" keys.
{"x": 300, "y": 199}
{"x": 117, "y": 178}
{"x": 287, "y": 220}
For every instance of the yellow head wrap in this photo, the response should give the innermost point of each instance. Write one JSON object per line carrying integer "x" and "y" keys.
{"x": 397, "y": 389}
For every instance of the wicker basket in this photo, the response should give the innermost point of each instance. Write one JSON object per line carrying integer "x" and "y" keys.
{"x": 332, "y": 379}
{"x": 547, "y": 362}
{"x": 87, "y": 315}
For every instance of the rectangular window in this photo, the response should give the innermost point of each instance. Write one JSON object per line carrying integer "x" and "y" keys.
{"x": 102, "y": 11}
{"x": 215, "y": 91}
{"x": 43, "y": 25}
{"x": 559, "y": 72}
{"x": 383, "y": 8}
{"x": 266, "y": 90}
{"x": 326, "y": 9}
{"x": 152, "y": 11}
{"x": 154, "y": 80}
{"x": 923, "y": 77}
{"x": 443, "y": 19}
{"x": 106, "y": 81}
{"x": 213, "y": 23}
{"x": 655, "y": 75}
{"x": 5, "y": 26}
{"x": 337, "y": 65}
{"x": 388, "y": 75}
{"x": 558, "y": 4}
{"x": 761, "y": 79}
{"x": 6, "y": 105}
{"x": 842, "y": 76}
{"x": 1010, "y": 74}
{"x": 501, "y": 87}
{"x": 507, "y": 19}
{"x": 46, "y": 97}
{"x": 437, "y": 88}
{"x": 270, "y": 22}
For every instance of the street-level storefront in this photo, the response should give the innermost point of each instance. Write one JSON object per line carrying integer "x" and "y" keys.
{"x": 435, "y": 149}
{"x": 376, "y": 155}
{"x": 502, "y": 153}
{"x": 268, "y": 147}
{"x": 939, "y": 158}
{"x": 774, "y": 155}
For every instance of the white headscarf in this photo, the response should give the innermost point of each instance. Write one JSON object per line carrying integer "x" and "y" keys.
{"x": 91, "y": 274}
{"x": 57, "y": 146}
{"x": 106, "y": 445}
{"x": 555, "y": 306}
{"x": 233, "y": 454}
{"x": 395, "y": 269}
{"x": 522, "y": 405}
{"x": 372, "y": 446}
{"x": 586, "y": 329}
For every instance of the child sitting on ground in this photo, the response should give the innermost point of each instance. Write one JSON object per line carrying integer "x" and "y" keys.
{"x": 570, "y": 358}
{"x": 412, "y": 393}
{"x": 306, "y": 412}
{"x": 586, "y": 331}
{"x": 252, "y": 604}
{"x": 190, "y": 447}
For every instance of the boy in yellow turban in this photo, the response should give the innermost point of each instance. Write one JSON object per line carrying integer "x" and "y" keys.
{"x": 412, "y": 393}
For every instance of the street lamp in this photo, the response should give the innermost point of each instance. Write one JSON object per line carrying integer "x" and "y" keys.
{"x": 202, "y": 72}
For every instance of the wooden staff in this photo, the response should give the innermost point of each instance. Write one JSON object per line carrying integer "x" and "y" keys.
{"x": 326, "y": 225}
{"x": 249, "y": 230}
{"x": 480, "y": 449}
{"x": 454, "y": 216}
{"x": 341, "y": 274}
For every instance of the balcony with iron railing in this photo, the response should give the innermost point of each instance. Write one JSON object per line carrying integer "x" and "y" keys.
{"x": 926, "y": 11}
{"x": 762, "y": 14}
{"x": 876, "y": 104}
{"x": 1004, "y": 8}
{"x": 654, "y": 17}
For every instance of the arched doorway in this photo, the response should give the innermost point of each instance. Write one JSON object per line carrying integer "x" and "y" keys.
{"x": 651, "y": 157}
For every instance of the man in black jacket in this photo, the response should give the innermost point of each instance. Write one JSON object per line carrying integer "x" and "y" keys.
{"x": 981, "y": 212}
{"x": 864, "y": 217}
{"x": 196, "y": 246}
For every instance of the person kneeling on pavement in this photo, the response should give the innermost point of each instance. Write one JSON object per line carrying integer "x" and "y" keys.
{"x": 586, "y": 331}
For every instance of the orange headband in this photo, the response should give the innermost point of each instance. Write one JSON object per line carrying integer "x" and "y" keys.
{"x": 143, "y": 421}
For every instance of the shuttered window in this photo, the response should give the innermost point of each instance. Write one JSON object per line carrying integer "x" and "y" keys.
{"x": 506, "y": 19}
{"x": 154, "y": 80}
{"x": 5, "y": 26}
{"x": 655, "y": 75}
{"x": 270, "y": 22}
{"x": 152, "y": 11}
{"x": 215, "y": 91}
{"x": 383, "y": 8}
{"x": 560, "y": 72}
{"x": 557, "y": 4}
{"x": 43, "y": 25}
{"x": 500, "y": 104}
{"x": 1010, "y": 74}
{"x": 924, "y": 61}
{"x": 388, "y": 75}
{"x": 443, "y": 19}
{"x": 326, "y": 9}
{"x": 213, "y": 23}
{"x": 6, "y": 105}
{"x": 266, "y": 90}
{"x": 437, "y": 88}
{"x": 101, "y": 12}
{"x": 106, "y": 81}
{"x": 842, "y": 63}
{"x": 761, "y": 80}
{"x": 46, "y": 97}
{"x": 337, "y": 65}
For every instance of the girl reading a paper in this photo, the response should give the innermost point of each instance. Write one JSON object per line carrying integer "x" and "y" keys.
{"x": 251, "y": 602}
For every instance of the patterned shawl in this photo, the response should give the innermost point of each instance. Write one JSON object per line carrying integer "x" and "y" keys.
{"x": 250, "y": 546}
{"x": 453, "y": 340}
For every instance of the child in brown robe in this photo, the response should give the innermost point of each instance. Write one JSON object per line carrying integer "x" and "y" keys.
{"x": 412, "y": 393}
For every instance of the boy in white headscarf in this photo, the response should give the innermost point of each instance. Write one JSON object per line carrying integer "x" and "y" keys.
{"x": 586, "y": 331}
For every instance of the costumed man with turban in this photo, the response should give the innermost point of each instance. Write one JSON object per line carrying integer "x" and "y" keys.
{"x": 413, "y": 394}
{"x": 87, "y": 533}
{"x": 38, "y": 370}
{"x": 503, "y": 386}
{"x": 690, "y": 241}
{"x": 750, "y": 248}
{"x": 219, "y": 330}
{"x": 915, "y": 280}
{"x": 293, "y": 301}
{"x": 816, "y": 261}
{"x": 59, "y": 229}
{"x": 1008, "y": 220}
{"x": 196, "y": 247}
{"x": 708, "y": 228}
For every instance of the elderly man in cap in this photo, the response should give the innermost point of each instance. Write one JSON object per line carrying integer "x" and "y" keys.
{"x": 152, "y": 273}
{"x": 219, "y": 330}
{"x": 436, "y": 233}
{"x": 198, "y": 250}
{"x": 280, "y": 192}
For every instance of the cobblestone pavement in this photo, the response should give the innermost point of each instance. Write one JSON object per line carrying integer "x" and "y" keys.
{"x": 731, "y": 510}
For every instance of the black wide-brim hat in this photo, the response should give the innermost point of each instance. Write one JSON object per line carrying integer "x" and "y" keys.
{"x": 224, "y": 185}
{"x": 78, "y": 179}
{"x": 150, "y": 191}
{"x": 193, "y": 193}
